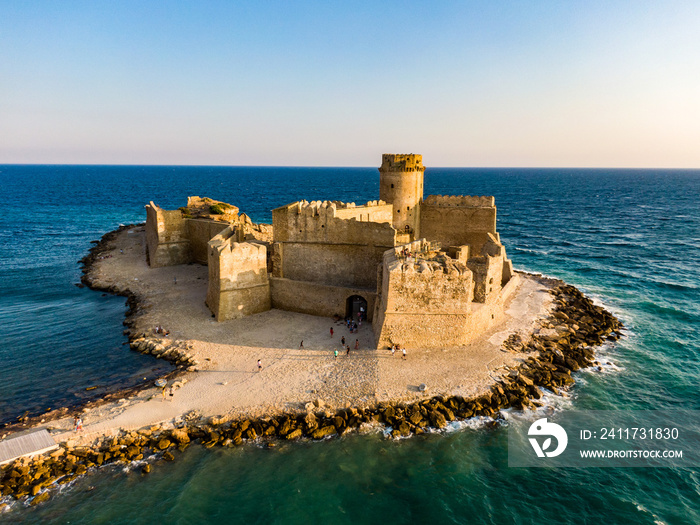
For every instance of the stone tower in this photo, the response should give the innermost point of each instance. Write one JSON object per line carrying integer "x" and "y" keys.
{"x": 401, "y": 184}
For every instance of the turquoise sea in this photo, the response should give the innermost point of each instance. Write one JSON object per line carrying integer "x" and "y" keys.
{"x": 628, "y": 238}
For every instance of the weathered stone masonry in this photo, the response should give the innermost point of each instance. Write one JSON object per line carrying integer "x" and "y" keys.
{"x": 429, "y": 272}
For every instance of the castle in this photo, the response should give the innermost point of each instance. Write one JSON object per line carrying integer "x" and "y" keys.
{"x": 429, "y": 272}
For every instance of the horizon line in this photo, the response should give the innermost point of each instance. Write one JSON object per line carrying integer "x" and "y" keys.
{"x": 155, "y": 165}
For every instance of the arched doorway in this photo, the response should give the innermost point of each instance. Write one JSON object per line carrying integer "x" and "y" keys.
{"x": 356, "y": 304}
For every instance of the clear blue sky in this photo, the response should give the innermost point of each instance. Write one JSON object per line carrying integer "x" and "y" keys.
{"x": 465, "y": 83}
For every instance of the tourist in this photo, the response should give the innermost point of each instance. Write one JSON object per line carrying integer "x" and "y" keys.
{"x": 393, "y": 350}
{"x": 357, "y": 344}
{"x": 348, "y": 351}
{"x": 174, "y": 280}
{"x": 163, "y": 392}
{"x": 331, "y": 331}
{"x": 259, "y": 365}
{"x": 403, "y": 350}
{"x": 342, "y": 340}
{"x": 301, "y": 345}
{"x": 78, "y": 424}
{"x": 335, "y": 354}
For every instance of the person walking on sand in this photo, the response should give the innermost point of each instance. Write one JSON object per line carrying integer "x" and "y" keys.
{"x": 331, "y": 331}
{"x": 301, "y": 345}
{"x": 403, "y": 350}
{"x": 259, "y": 365}
{"x": 78, "y": 424}
{"x": 342, "y": 340}
{"x": 335, "y": 354}
{"x": 357, "y": 344}
{"x": 393, "y": 350}
{"x": 348, "y": 351}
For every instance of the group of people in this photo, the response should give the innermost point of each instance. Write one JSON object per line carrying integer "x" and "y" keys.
{"x": 162, "y": 331}
{"x": 396, "y": 348}
{"x": 352, "y": 325}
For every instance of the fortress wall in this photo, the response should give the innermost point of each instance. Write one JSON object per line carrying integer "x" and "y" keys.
{"x": 315, "y": 298}
{"x": 423, "y": 304}
{"x": 200, "y": 232}
{"x": 316, "y": 222}
{"x": 371, "y": 212}
{"x": 458, "y": 225}
{"x": 238, "y": 281}
{"x": 488, "y": 277}
{"x": 166, "y": 237}
{"x": 314, "y": 245}
{"x": 331, "y": 264}
{"x": 441, "y": 330}
{"x": 484, "y": 316}
{"x": 460, "y": 200}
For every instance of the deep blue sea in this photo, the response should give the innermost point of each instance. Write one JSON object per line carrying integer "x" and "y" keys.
{"x": 628, "y": 238}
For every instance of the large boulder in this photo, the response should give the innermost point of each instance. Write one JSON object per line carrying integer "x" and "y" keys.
{"x": 180, "y": 435}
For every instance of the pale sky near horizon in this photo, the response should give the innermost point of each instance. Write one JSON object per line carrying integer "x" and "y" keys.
{"x": 323, "y": 83}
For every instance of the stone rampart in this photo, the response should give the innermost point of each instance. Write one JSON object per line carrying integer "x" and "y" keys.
{"x": 199, "y": 233}
{"x": 238, "y": 280}
{"x": 316, "y": 299}
{"x": 373, "y": 211}
{"x": 460, "y": 200}
{"x": 424, "y": 301}
{"x": 458, "y": 224}
{"x": 312, "y": 244}
{"x": 488, "y": 270}
{"x": 166, "y": 237}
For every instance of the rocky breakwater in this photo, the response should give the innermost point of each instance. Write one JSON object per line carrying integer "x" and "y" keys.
{"x": 176, "y": 352}
{"x": 563, "y": 344}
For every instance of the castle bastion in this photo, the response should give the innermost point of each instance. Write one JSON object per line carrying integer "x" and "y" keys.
{"x": 426, "y": 272}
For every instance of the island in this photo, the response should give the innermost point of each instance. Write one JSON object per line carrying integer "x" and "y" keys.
{"x": 403, "y": 313}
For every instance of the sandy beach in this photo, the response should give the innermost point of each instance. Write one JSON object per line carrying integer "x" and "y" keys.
{"x": 226, "y": 380}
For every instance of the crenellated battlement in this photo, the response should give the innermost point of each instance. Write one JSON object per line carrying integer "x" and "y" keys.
{"x": 401, "y": 162}
{"x": 314, "y": 207}
{"x": 460, "y": 200}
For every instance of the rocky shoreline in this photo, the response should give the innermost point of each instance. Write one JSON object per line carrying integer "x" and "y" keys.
{"x": 177, "y": 358}
{"x": 563, "y": 344}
